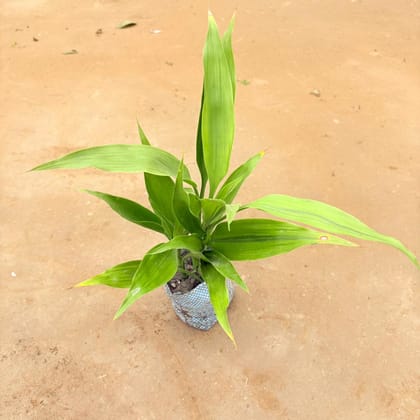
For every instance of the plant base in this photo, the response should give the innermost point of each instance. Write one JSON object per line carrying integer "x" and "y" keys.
{"x": 194, "y": 307}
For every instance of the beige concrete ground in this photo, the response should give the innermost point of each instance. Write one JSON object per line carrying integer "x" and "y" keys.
{"x": 326, "y": 333}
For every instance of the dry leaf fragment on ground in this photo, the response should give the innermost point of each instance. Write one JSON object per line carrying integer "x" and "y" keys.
{"x": 126, "y": 24}
{"x": 315, "y": 92}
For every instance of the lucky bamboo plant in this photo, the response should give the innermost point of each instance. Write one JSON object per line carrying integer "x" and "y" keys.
{"x": 200, "y": 220}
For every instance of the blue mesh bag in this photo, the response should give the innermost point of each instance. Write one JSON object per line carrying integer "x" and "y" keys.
{"x": 194, "y": 307}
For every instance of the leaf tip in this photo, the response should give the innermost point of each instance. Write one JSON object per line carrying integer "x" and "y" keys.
{"x": 233, "y": 340}
{"x": 118, "y": 314}
{"x": 121, "y": 309}
{"x": 37, "y": 168}
{"x": 212, "y": 20}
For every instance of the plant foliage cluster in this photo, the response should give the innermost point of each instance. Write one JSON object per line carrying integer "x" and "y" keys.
{"x": 201, "y": 218}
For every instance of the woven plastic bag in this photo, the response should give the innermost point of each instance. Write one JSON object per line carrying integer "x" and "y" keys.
{"x": 194, "y": 307}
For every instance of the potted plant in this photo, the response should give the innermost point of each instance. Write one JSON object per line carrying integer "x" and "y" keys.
{"x": 203, "y": 235}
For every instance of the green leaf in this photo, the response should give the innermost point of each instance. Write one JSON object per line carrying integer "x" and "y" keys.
{"x": 161, "y": 190}
{"x": 153, "y": 272}
{"x": 212, "y": 210}
{"x": 199, "y": 150}
{"x": 227, "y": 47}
{"x": 117, "y": 276}
{"x": 218, "y": 121}
{"x": 119, "y": 158}
{"x": 231, "y": 210}
{"x": 191, "y": 242}
{"x": 233, "y": 183}
{"x": 323, "y": 216}
{"x": 143, "y": 138}
{"x": 131, "y": 211}
{"x": 251, "y": 239}
{"x": 193, "y": 185}
{"x": 181, "y": 205}
{"x": 219, "y": 296}
{"x": 225, "y": 267}
{"x": 195, "y": 204}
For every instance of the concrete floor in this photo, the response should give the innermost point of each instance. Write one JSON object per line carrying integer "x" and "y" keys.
{"x": 326, "y": 333}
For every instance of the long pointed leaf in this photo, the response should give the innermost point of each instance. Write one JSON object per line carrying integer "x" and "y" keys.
{"x": 130, "y": 210}
{"x": 233, "y": 183}
{"x": 190, "y": 242}
{"x": 119, "y": 158}
{"x": 217, "y": 123}
{"x": 161, "y": 190}
{"x": 219, "y": 296}
{"x": 143, "y": 138}
{"x": 251, "y": 239}
{"x": 227, "y": 47}
{"x": 225, "y": 267}
{"x": 323, "y": 216}
{"x": 199, "y": 150}
{"x": 181, "y": 205}
{"x": 153, "y": 272}
{"x": 117, "y": 276}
